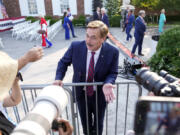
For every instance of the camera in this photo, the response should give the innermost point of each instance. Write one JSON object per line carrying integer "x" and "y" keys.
{"x": 48, "y": 106}
{"x": 157, "y": 115}
{"x": 160, "y": 114}
{"x": 163, "y": 85}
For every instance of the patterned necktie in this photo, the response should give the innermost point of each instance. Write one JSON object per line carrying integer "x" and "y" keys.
{"x": 90, "y": 90}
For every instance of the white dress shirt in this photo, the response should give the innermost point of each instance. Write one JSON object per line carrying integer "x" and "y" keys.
{"x": 96, "y": 56}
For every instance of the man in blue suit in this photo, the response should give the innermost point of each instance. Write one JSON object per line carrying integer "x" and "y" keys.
{"x": 129, "y": 24}
{"x": 70, "y": 22}
{"x": 83, "y": 55}
{"x": 140, "y": 28}
{"x": 104, "y": 17}
{"x": 97, "y": 14}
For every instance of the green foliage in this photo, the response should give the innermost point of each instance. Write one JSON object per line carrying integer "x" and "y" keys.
{"x": 33, "y": 19}
{"x": 48, "y": 17}
{"x": 115, "y": 21}
{"x": 147, "y": 4}
{"x": 113, "y": 7}
{"x": 167, "y": 54}
{"x": 173, "y": 18}
{"x": 80, "y": 21}
{"x": 169, "y": 5}
{"x": 52, "y": 21}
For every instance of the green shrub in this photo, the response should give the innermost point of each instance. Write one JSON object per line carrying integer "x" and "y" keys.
{"x": 52, "y": 21}
{"x": 33, "y": 19}
{"x": 48, "y": 17}
{"x": 167, "y": 56}
{"x": 80, "y": 21}
{"x": 115, "y": 21}
{"x": 172, "y": 18}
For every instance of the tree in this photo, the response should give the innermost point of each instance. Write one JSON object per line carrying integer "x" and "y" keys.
{"x": 96, "y": 3}
{"x": 168, "y": 5}
{"x": 113, "y": 7}
{"x": 147, "y": 4}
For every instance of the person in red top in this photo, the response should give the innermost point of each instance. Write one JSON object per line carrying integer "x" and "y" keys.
{"x": 43, "y": 24}
{"x": 43, "y": 31}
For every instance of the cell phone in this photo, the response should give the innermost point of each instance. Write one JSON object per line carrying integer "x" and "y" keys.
{"x": 56, "y": 125}
{"x": 157, "y": 116}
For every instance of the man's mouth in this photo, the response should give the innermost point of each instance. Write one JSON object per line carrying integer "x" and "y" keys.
{"x": 90, "y": 45}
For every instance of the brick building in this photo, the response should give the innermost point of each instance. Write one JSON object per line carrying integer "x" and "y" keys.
{"x": 17, "y": 8}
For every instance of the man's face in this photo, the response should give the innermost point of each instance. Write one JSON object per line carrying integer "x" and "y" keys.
{"x": 98, "y": 9}
{"x": 93, "y": 39}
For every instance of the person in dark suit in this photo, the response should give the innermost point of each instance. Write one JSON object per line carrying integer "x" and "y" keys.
{"x": 66, "y": 26}
{"x": 70, "y": 22}
{"x": 124, "y": 18}
{"x": 104, "y": 17}
{"x": 97, "y": 14}
{"x": 93, "y": 60}
{"x": 129, "y": 24}
{"x": 140, "y": 28}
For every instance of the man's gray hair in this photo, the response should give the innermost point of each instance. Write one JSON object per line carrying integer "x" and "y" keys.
{"x": 141, "y": 12}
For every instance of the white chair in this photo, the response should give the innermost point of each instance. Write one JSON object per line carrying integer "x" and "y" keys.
{"x": 1, "y": 43}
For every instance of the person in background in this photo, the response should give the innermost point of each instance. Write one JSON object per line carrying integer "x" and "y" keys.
{"x": 162, "y": 20}
{"x": 104, "y": 17}
{"x": 8, "y": 72}
{"x": 93, "y": 60}
{"x": 140, "y": 28}
{"x": 124, "y": 19}
{"x": 69, "y": 15}
{"x": 97, "y": 14}
{"x": 129, "y": 24}
{"x": 43, "y": 31}
{"x": 66, "y": 26}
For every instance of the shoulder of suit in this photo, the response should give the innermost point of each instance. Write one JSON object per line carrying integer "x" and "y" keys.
{"x": 78, "y": 43}
{"x": 110, "y": 47}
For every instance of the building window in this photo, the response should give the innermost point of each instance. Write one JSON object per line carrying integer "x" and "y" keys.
{"x": 64, "y": 4}
{"x": 32, "y": 5}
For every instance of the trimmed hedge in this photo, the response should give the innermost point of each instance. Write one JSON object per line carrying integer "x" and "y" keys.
{"x": 115, "y": 20}
{"x": 33, "y": 19}
{"x": 80, "y": 21}
{"x": 52, "y": 20}
{"x": 167, "y": 56}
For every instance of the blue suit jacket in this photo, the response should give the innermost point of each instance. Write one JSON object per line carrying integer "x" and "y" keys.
{"x": 140, "y": 27}
{"x": 105, "y": 20}
{"x": 130, "y": 21}
{"x": 105, "y": 71}
{"x": 96, "y": 17}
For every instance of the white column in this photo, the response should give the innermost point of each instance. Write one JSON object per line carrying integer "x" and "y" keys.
{"x": 73, "y": 6}
{"x": 1, "y": 17}
{"x": 24, "y": 7}
{"x": 88, "y": 7}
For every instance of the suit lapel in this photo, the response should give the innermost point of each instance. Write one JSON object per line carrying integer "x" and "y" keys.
{"x": 100, "y": 61}
{"x": 84, "y": 59}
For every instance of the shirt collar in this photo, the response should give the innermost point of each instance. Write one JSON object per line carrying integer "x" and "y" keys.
{"x": 97, "y": 51}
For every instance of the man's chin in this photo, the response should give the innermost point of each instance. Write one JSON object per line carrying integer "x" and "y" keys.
{"x": 90, "y": 48}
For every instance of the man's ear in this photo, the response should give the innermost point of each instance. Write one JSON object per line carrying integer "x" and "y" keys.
{"x": 104, "y": 38}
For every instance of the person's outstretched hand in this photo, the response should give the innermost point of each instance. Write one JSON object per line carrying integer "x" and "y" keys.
{"x": 69, "y": 128}
{"x": 108, "y": 92}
